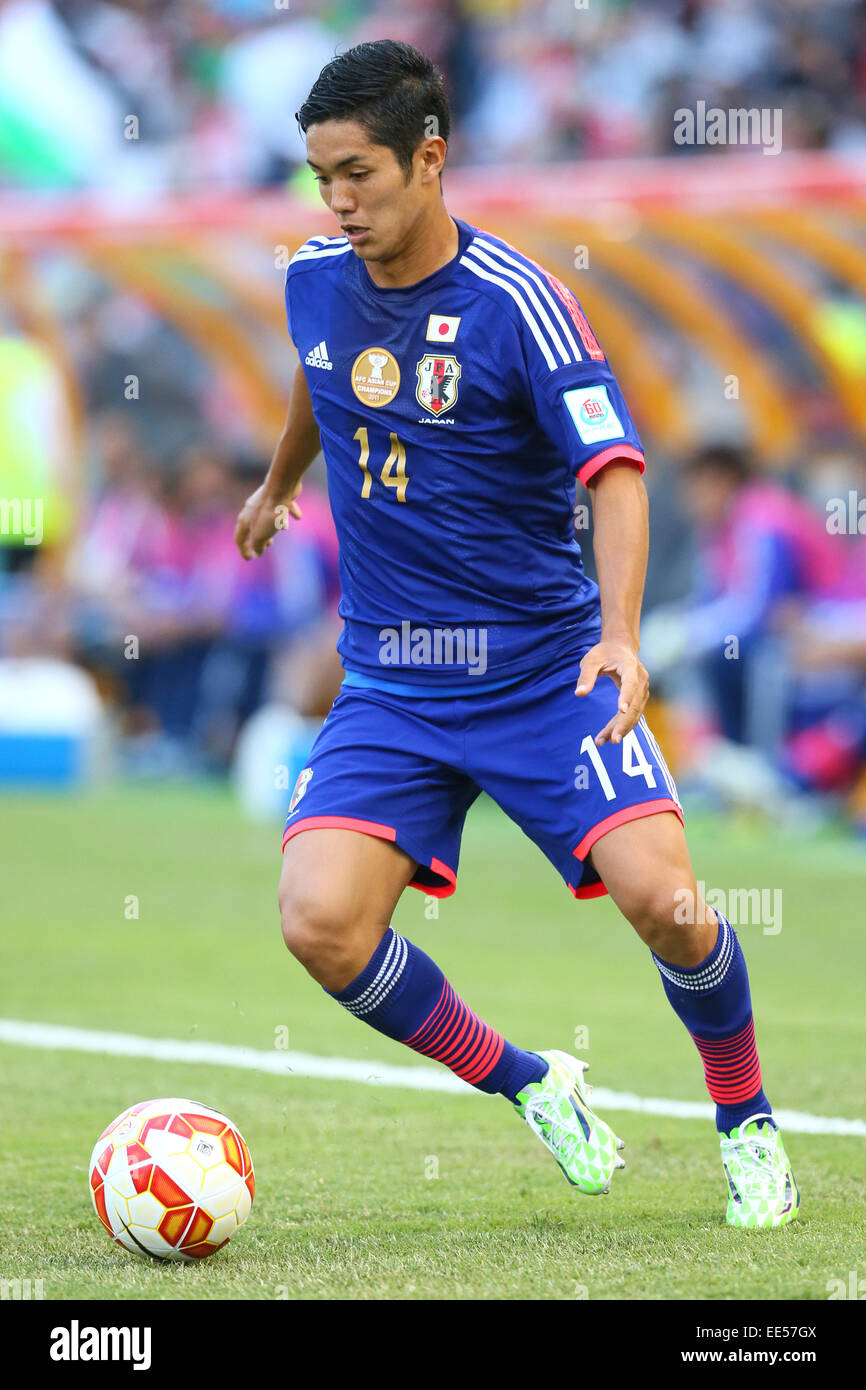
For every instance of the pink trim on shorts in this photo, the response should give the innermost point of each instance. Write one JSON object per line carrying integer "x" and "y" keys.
{"x": 592, "y": 890}
{"x": 380, "y": 832}
{"x": 622, "y": 817}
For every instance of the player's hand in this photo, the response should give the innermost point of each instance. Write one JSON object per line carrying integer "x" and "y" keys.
{"x": 261, "y": 517}
{"x": 617, "y": 658}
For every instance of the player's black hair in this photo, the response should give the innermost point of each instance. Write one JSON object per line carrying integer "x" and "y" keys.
{"x": 728, "y": 459}
{"x": 396, "y": 93}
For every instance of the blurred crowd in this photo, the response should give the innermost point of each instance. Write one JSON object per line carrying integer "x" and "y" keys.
{"x": 184, "y": 639}
{"x": 159, "y": 95}
{"x": 754, "y": 625}
{"x": 756, "y": 636}
{"x": 755, "y": 628}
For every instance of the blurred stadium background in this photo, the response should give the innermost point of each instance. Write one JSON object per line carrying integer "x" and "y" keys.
{"x": 152, "y": 188}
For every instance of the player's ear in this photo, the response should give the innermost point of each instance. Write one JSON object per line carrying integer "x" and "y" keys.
{"x": 431, "y": 153}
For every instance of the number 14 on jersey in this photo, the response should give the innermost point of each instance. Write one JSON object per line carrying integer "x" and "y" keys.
{"x": 393, "y": 472}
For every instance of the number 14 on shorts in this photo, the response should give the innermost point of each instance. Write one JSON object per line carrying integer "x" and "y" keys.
{"x": 634, "y": 764}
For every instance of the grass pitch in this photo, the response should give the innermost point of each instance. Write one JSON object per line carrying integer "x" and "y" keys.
{"x": 368, "y": 1193}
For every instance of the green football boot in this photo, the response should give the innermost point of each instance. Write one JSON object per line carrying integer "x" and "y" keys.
{"x": 762, "y": 1190}
{"x": 556, "y": 1108}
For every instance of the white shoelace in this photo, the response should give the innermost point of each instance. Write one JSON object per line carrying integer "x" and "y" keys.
{"x": 559, "y": 1136}
{"x": 755, "y": 1153}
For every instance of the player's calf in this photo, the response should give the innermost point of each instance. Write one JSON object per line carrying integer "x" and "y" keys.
{"x": 646, "y": 867}
{"x": 335, "y": 889}
{"x": 337, "y": 893}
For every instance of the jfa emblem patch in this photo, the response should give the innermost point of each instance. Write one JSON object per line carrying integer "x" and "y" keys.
{"x": 300, "y": 787}
{"x": 437, "y": 382}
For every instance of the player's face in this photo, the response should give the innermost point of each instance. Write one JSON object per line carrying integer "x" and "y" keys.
{"x": 366, "y": 188}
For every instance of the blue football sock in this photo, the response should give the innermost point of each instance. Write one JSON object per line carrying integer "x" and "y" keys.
{"x": 403, "y": 994}
{"x": 714, "y": 1003}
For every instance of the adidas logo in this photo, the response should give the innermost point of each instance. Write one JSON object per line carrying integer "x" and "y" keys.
{"x": 318, "y": 357}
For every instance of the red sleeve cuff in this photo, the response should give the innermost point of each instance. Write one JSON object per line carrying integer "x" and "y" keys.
{"x": 626, "y": 452}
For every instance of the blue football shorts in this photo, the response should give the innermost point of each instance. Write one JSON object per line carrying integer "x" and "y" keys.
{"x": 407, "y": 769}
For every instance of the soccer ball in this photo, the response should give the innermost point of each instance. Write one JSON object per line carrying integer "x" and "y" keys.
{"x": 172, "y": 1179}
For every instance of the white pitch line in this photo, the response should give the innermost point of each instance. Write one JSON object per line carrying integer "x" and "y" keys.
{"x": 56, "y": 1038}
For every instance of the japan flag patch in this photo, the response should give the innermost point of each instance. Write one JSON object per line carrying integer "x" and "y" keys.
{"x": 441, "y": 328}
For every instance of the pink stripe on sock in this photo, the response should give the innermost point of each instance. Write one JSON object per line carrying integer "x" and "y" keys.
{"x": 732, "y": 1069}
{"x": 454, "y": 1035}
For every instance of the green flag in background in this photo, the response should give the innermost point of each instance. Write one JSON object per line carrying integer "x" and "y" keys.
{"x": 29, "y": 155}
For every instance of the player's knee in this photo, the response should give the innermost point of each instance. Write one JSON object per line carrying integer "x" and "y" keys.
{"x": 651, "y": 912}
{"x": 659, "y": 912}
{"x": 313, "y": 925}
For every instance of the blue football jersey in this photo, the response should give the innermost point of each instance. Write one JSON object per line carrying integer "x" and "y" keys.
{"x": 454, "y": 415}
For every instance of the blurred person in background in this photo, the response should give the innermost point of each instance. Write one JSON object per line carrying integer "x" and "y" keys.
{"x": 128, "y": 579}
{"x": 263, "y": 76}
{"x": 272, "y": 630}
{"x": 121, "y": 342}
{"x": 826, "y": 749}
{"x": 307, "y": 671}
{"x": 184, "y": 637}
{"x": 758, "y": 549}
{"x": 124, "y": 531}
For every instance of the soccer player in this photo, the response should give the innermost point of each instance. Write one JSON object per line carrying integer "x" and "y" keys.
{"x": 455, "y": 388}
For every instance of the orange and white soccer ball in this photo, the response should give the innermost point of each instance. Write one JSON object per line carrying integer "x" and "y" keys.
{"x": 172, "y": 1178}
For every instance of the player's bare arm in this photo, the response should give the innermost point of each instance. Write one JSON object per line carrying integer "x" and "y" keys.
{"x": 266, "y": 510}
{"x": 620, "y": 511}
